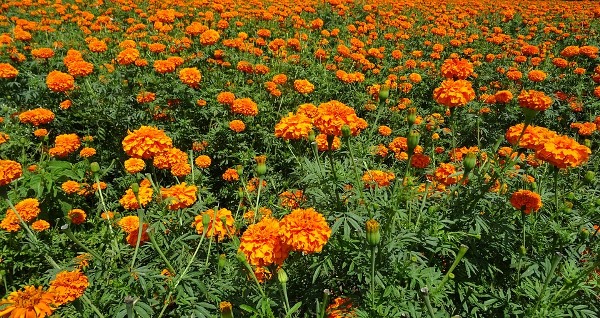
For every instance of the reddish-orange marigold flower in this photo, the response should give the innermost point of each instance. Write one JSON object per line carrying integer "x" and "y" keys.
{"x": 526, "y": 201}
{"x": 216, "y": 227}
{"x": 262, "y": 244}
{"x": 454, "y": 93}
{"x": 77, "y": 216}
{"x": 68, "y": 286}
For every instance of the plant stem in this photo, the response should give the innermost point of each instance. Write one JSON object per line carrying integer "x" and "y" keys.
{"x": 553, "y": 266}
{"x": 425, "y": 293}
{"x": 160, "y": 252}
{"x": 70, "y": 234}
{"x": 139, "y": 237}
{"x": 373, "y": 249}
{"x": 461, "y": 252}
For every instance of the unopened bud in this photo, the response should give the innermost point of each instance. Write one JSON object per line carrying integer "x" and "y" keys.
{"x": 384, "y": 93}
{"x": 373, "y": 233}
{"x": 282, "y": 276}
{"x": 225, "y": 308}
{"x": 222, "y": 260}
{"x": 205, "y": 220}
{"x": 587, "y": 143}
{"x": 469, "y": 162}
{"x": 413, "y": 141}
{"x": 346, "y": 131}
{"x": 135, "y": 187}
{"x": 95, "y": 167}
{"x": 311, "y": 136}
{"x": 239, "y": 169}
{"x": 412, "y": 116}
{"x": 589, "y": 177}
{"x": 261, "y": 166}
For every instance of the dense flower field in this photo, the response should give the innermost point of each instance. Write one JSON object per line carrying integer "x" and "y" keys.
{"x": 339, "y": 158}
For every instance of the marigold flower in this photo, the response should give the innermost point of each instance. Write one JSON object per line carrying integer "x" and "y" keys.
{"x": 129, "y": 201}
{"x": 77, "y": 216}
{"x": 585, "y": 129}
{"x": 384, "y": 130}
{"x": 132, "y": 237}
{"x": 420, "y": 161}
{"x": 371, "y": 178}
{"x": 179, "y": 196}
{"x": 169, "y": 158}
{"x": 305, "y": 230}
{"x": 36, "y": 117}
{"x": 9, "y": 171}
{"x": 293, "y": 127}
{"x": 231, "y": 175}
{"x": 262, "y": 244}
{"x": 534, "y": 100}
{"x": 303, "y": 86}
{"x": 29, "y": 302}
{"x": 237, "y": 125}
{"x": 40, "y": 225}
{"x": 244, "y": 106}
{"x": 203, "y": 161}
{"x": 68, "y": 286}
{"x": 340, "y": 307}
{"x": 291, "y": 200}
{"x": 333, "y": 115}
{"x": 209, "y": 37}
{"x": 526, "y": 201}
{"x": 221, "y": 224}
{"x": 503, "y": 97}
{"x": 190, "y": 77}
{"x": 129, "y": 223}
{"x": 226, "y": 98}
{"x": 66, "y": 104}
{"x": 455, "y": 68}
{"x": 536, "y": 75}
{"x": 97, "y": 46}
{"x": 164, "y": 66}
{"x": 134, "y": 165}
{"x": 323, "y": 145}
{"x": 58, "y": 81}
{"x": 454, "y": 93}
{"x": 128, "y": 56}
{"x": 7, "y": 71}
{"x": 146, "y": 142}
{"x": 446, "y": 174}
{"x": 532, "y": 138}
{"x": 87, "y": 152}
{"x": 65, "y": 145}
{"x": 563, "y": 152}
{"x": 80, "y": 68}
{"x": 28, "y": 209}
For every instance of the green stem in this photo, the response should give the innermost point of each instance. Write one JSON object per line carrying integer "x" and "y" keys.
{"x": 285, "y": 298}
{"x": 335, "y": 177}
{"x": 70, "y": 234}
{"x": 553, "y": 266}
{"x": 260, "y": 181}
{"x": 139, "y": 237}
{"x": 461, "y": 252}
{"x": 373, "y": 249}
{"x": 425, "y": 293}
{"x": 160, "y": 252}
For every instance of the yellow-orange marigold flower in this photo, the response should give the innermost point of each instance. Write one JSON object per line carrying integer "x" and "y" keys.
{"x": 146, "y": 142}
{"x": 526, "y": 201}
{"x": 216, "y": 227}
{"x": 28, "y": 209}
{"x": 244, "y": 106}
{"x": 305, "y": 230}
{"x": 534, "y": 100}
{"x": 77, "y": 216}
{"x": 262, "y": 244}
{"x": 457, "y": 69}
{"x": 563, "y": 152}
{"x": 40, "y": 225}
{"x": 333, "y": 115}
{"x": 71, "y": 187}
{"x": 293, "y": 127}
{"x": 36, "y": 117}
{"x": 536, "y": 75}
{"x": 190, "y": 76}
{"x": 128, "y": 56}
{"x": 226, "y": 98}
{"x": 179, "y": 196}
{"x": 454, "y": 93}
{"x": 237, "y": 125}
{"x": 303, "y": 86}
{"x": 58, "y": 81}
{"x": 87, "y": 152}
{"x": 164, "y": 66}
{"x": 68, "y": 286}
{"x": 209, "y": 37}
{"x": 202, "y": 161}
{"x": 8, "y": 71}
{"x": 134, "y": 165}
{"x": 129, "y": 202}
{"x": 231, "y": 175}
{"x": 9, "y": 171}
{"x": 129, "y": 223}
{"x": 65, "y": 145}
{"x": 377, "y": 177}
{"x": 29, "y": 302}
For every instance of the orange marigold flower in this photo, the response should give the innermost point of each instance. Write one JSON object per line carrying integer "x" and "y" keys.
{"x": 225, "y": 98}
{"x": 134, "y": 165}
{"x": 291, "y": 200}
{"x": 453, "y": 93}
{"x": 221, "y": 224}
{"x": 384, "y": 130}
{"x": 209, "y": 37}
{"x": 97, "y": 46}
{"x": 532, "y": 138}
{"x": 66, "y": 104}
{"x": 262, "y": 244}
{"x": 42, "y": 53}
{"x": 36, "y": 117}
{"x": 190, "y": 77}
{"x": 146, "y": 142}
{"x": 58, "y": 81}
{"x": 244, "y": 106}
{"x": 280, "y": 79}
{"x": 77, "y": 216}
{"x": 145, "y": 97}
{"x": 179, "y": 196}
{"x": 420, "y": 161}
{"x": 446, "y": 174}
{"x": 9, "y": 171}
{"x": 310, "y": 110}
{"x": 534, "y": 100}
{"x": 129, "y": 223}
{"x": 303, "y": 86}
{"x": 108, "y": 215}
{"x": 129, "y": 201}
{"x": 29, "y": 302}
{"x": 340, "y": 307}
{"x": 80, "y": 68}
{"x": 203, "y": 161}
{"x": 65, "y": 145}
{"x": 28, "y": 209}
{"x": 373, "y": 178}
{"x": 563, "y": 152}
{"x": 164, "y": 66}
{"x": 304, "y": 230}
{"x": 7, "y": 71}
{"x": 87, "y": 152}
{"x": 40, "y": 225}
{"x": 68, "y": 286}
{"x": 237, "y": 125}
{"x": 333, "y": 115}
{"x": 514, "y": 75}
{"x": 40, "y": 133}
{"x": 585, "y": 129}
{"x": 70, "y": 187}
{"x": 526, "y": 201}
{"x": 293, "y": 127}
{"x": 536, "y": 75}
{"x": 323, "y": 145}
{"x": 503, "y": 97}
{"x": 231, "y": 175}
{"x": 457, "y": 69}
{"x": 132, "y": 237}
{"x": 128, "y": 56}
{"x": 169, "y": 158}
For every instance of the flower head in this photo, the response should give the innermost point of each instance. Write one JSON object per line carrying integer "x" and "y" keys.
{"x": 146, "y": 142}
{"x": 68, "y": 286}
{"x": 305, "y": 230}
{"x": 454, "y": 93}
{"x": 58, "y": 81}
{"x": 262, "y": 244}
{"x": 9, "y": 171}
{"x": 221, "y": 224}
{"x": 36, "y": 117}
{"x": 333, "y": 115}
{"x": 28, "y": 302}
{"x": 526, "y": 201}
{"x": 179, "y": 196}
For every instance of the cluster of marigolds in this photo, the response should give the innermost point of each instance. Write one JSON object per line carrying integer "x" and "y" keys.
{"x": 351, "y": 56}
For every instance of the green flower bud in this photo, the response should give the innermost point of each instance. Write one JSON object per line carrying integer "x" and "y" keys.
{"x": 205, "y": 220}
{"x": 222, "y": 260}
{"x": 384, "y": 93}
{"x": 95, "y": 167}
{"x": 589, "y": 177}
{"x": 261, "y": 166}
{"x": 413, "y": 141}
{"x": 311, "y": 136}
{"x": 241, "y": 257}
{"x": 522, "y": 250}
{"x": 469, "y": 162}
{"x": 373, "y": 233}
{"x": 346, "y": 131}
{"x": 135, "y": 187}
{"x": 282, "y": 276}
{"x": 412, "y": 116}
{"x": 587, "y": 143}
